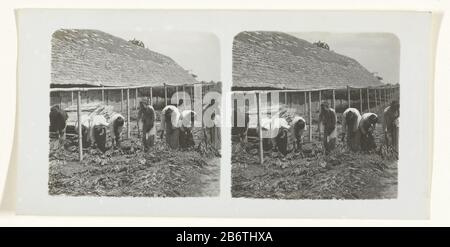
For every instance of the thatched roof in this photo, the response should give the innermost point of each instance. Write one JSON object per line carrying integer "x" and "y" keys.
{"x": 95, "y": 58}
{"x": 279, "y": 60}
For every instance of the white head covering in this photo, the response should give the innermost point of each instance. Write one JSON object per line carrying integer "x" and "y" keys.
{"x": 175, "y": 116}
{"x": 297, "y": 119}
{"x": 356, "y": 112}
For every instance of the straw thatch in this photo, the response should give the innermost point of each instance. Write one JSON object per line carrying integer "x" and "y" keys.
{"x": 95, "y": 58}
{"x": 279, "y": 60}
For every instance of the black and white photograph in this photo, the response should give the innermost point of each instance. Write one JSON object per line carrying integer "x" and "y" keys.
{"x": 134, "y": 113}
{"x": 315, "y": 115}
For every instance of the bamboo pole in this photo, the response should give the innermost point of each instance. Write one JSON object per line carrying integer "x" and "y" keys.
{"x": 320, "y": 98}
{"x": 305, "y": 107}
{"x": 380, "y": 102}
{"x": 176, "y": 94}
{"x": 165, "y": 95}
{"x": 87, "y": 97}
{"x": 376, "y": 100}
{"x": 60, "y": 100}
{"x": 285, "y": 98}
{"x": 71, "y": 94}
{"x": 103, "y": 95}
{"x": 128, "y": 114}
{"x": 192, "y": 98}
{"x": 320, "y": 102}
{"x": 368, "y": 99}
{"x": 151, "y": 95}
{"x": 121, "y": 101}
{"x": 184, "y": 95}
{"x": 80, "y": 141}
{"x": 310, "y": 116}
{"x": 349, "y": 103}
{"x": 334, "y": 99}
{"x": 261, "y": 152}
{"x": 136, "y": 99}
{"x": 360, "y": 100}
{"x": 385, "y": 96}
{"x": 389, "y": 95}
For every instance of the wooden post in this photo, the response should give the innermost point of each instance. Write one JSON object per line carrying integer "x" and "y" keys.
{"x": 368, "y": 99}
{"x": 80, "y": 136}
{"x": 334, "y": 99}
{"x": 385, "y": 96}
{"x": 165, "y": 95}
{"x": 310, "y": 116}
{"x": 184, "y": 95}
{"x": 291, "y": 96}
{"x": 360, "y": 100}
{"x": 136, "y": 99}
{"x": 192, "y": 97}
{"x": 376, "y": 100}
{"x": 320, "y": 102}
{"x": 285, "y": 98}
{"x": 176, "y": 94}
{"x": 390, "y": 95}
{"x": 305, "y": 107}
{"x": 71, "y": 94}
{"x": 349, "y": 103}
{"x": 87, "y": 97}
{"x": 261, "y": 151}
{"x": 151, "y": 95}
{"x": 320, "y": 98}
{"x": 121, "y": 101}
{"x": 128, "y": 114}
{"x": 60, "y": 100}
{"x": 380, "y": 102}
{"x": 103, "y": 95}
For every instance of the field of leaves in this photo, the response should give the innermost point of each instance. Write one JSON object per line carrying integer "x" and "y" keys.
{"x": 313, "y": 175}
{"x": 160, "y": 172}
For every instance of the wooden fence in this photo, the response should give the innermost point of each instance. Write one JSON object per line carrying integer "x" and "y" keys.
{"x": 365, "y": 99}
{"x": 117, "y": 96}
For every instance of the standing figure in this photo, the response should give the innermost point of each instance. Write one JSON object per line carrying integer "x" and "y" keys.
{"x": 328, "y": 120}
{"x": 241, "y": 127}
{"x": 147, "y": 117}
{"x": 170, "y": 125}
{"x": 367, "y": 126}
{"x": 212, "y": 124}
{"x": 351, "y": 118}
{"x": 299, "y": 126}
{"x": 391, "y": 123}
{"x": 116, "y": 123}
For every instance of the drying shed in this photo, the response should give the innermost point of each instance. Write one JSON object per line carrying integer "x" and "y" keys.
{"x": 95, "y": 58}
{"x": 276, "y": 60}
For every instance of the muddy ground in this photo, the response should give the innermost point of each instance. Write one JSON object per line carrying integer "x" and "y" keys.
{"x": 160, "y": 172}
{"x": 339, "y": 175}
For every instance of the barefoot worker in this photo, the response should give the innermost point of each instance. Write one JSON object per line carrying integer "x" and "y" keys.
{"x": 212, "y": 124}
{"x": 147, "y": 117}
{"x": 328, "y": 119}
{"x": 390, "y": 124}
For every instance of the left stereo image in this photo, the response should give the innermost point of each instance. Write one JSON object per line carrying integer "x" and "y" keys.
{"x": 134, "y": 113}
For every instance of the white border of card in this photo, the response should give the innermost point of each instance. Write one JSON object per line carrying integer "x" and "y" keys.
{"x": 35, "y": 28}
